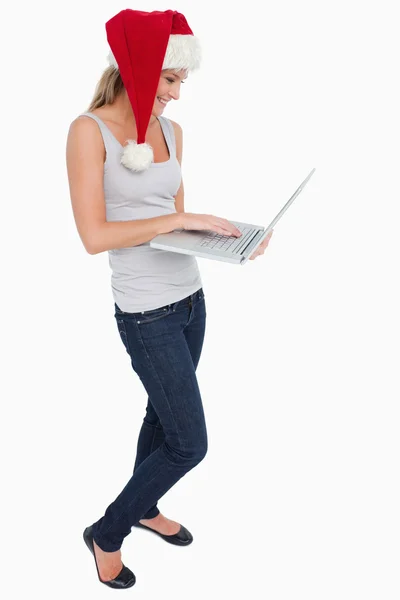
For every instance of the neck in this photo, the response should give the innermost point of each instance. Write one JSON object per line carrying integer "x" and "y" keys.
{"x": 124, "y": 110}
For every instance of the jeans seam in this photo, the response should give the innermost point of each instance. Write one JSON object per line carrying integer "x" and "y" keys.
{"x": 157, "y": 378}
{"x": 123, "y": 333}
{"x": 151, "y": 450}
{"x": 154, "y": 437}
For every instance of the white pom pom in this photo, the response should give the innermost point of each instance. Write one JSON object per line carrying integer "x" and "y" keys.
{"x": 137, "y": 157}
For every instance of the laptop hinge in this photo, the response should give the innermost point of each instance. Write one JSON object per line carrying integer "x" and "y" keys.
{"x": 258, "y": 233}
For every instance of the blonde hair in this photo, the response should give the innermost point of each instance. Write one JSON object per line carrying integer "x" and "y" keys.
{"x": 110, "y": 86}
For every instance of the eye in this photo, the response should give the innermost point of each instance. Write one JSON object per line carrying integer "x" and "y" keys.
{"x": 172, "y": 80}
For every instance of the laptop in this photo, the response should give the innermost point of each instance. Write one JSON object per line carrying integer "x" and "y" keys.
{"x": 216, "y": 246}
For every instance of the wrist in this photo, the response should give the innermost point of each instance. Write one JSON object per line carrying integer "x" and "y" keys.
{"x": 179, "y": 220}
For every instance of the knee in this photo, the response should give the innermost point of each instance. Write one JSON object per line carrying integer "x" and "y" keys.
{"x": 195, "y": 454}
{"x": 188, "y": 455}
{"x": 200, "y": 450}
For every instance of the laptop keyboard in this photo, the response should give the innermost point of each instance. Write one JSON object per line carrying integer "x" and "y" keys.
{"x": 218, "y": 241}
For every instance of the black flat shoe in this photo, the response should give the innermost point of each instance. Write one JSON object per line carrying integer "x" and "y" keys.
{"x": 125, "y": 577}
{"x": 182, "y": 538}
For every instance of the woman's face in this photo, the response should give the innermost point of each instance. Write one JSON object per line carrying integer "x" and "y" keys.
{"x": 168, "y": 88}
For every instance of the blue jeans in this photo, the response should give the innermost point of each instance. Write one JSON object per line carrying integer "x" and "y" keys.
{"x": 164, "y": 346}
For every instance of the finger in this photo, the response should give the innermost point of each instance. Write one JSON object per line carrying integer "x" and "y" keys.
{"x": 220, "y": 227}
{"x": 230, "y": 227}
{"x": 223, "y": 230}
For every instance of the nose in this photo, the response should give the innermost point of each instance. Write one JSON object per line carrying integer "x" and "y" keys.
{"x": 175, "y": 92}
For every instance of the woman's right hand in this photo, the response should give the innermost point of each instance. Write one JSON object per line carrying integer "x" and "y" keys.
{"x": 209, "y": 222}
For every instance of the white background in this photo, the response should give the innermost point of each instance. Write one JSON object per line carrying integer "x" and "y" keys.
{"x": 299, "y": 494}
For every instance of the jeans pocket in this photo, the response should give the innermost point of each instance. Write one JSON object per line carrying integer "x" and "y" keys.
{"x": 122, "y": 333}
{"x": 149, "y": 316}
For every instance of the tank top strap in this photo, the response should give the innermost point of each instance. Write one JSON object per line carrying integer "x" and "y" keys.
{"x": 169, "y": 133}
{"x": 108, "y": 137}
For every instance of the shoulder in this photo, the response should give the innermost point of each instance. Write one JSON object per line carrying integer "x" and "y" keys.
{"x": 90, "y": 120}
{"x": 177, "y": 129}
{"x": 84, "y": 133}
{"x": 175, "y": 125}
{"x": 84, "y": 128}
{"x": 83, "y": 125}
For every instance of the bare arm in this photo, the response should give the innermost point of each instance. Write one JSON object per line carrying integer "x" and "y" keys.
{"x": 85, "y": 166}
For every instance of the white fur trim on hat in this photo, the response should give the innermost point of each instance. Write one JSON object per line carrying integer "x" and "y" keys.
{"x": 183, "y": 52}
{"x": 137, "y": 157}
{"x": 111, "y": 60}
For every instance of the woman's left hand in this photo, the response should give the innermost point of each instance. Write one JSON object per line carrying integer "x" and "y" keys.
{"x": 262, "y": 246}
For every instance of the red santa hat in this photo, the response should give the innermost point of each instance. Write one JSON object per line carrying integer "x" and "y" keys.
{"x": 142, "y": 45}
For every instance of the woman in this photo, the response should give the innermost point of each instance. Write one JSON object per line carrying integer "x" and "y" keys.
{"x": 123, "y": 196}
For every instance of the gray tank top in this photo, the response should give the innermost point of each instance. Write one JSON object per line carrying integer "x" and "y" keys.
{"x": 142, "y": 277}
